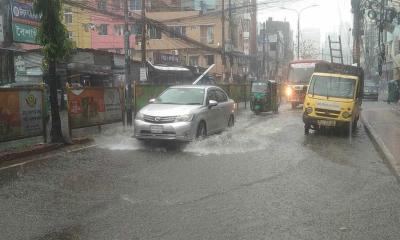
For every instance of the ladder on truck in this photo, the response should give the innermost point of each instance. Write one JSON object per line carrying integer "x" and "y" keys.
{"x": 335, "y": 48}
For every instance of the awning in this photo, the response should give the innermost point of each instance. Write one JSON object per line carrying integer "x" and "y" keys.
{"x": 90, "y": 68}
{"x": 12, "y": 48}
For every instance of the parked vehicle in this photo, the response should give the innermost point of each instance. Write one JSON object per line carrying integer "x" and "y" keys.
{"x": 264, "y": 96}
{"x": 297, "y": 80}
{"x": 393, "y": 91}
{"x": 184, "y": 113}
{"x": 371, "y": 91}
{"x": 334, "y": 97}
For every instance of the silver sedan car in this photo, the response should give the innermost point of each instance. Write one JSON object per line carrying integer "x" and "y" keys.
{"x": 184, "y": 113}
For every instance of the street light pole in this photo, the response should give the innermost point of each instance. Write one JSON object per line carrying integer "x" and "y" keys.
{"x": 298, "y": 35}
{"x": 298, "y": 12}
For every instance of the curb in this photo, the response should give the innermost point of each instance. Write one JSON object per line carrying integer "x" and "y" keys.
{"x": 382, "y": 149}
{"x": 40, "y": 148}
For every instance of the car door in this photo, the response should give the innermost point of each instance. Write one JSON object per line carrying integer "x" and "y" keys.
{"x": 224, "y": 109}
{"x": 212, "y": 112}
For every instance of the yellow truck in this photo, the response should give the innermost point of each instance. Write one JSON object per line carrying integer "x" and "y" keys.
{"x": 334, "y": 97}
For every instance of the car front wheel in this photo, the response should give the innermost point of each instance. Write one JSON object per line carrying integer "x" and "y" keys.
{"x": 201, "y": 130}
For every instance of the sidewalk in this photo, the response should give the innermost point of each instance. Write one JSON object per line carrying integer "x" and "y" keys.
{"x": 382, "y": 122}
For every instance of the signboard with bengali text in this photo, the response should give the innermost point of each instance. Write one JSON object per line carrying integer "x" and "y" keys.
{"x": 24, "y": 23}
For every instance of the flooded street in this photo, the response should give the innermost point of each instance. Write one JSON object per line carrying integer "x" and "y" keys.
{"x": 262, "y": 179}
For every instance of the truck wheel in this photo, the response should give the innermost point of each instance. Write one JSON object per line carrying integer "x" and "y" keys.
{"x": 306, "y": 129}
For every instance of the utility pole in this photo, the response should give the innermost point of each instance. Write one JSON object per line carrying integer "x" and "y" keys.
{"x": 263, "y": 59}
{"x": 356, "y": 31}
{"x": 298, "y": 35}
{"x": 253, "y": 39}
{"x": 231, "y": 36}
{"x": 128, "y": 82}
{"x": 223, "y": 40}
{"x": 144, "y": 32}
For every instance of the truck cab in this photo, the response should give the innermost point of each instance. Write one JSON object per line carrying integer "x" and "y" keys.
{"x": 334, "y": 97}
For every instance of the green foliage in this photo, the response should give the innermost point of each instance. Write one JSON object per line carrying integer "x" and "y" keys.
{"x": 52, "y": 34}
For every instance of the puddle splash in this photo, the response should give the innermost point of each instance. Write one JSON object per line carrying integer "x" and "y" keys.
{"x": 118, "y": 138}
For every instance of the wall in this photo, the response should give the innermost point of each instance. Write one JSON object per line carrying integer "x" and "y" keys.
{"x": 112, "y": 40}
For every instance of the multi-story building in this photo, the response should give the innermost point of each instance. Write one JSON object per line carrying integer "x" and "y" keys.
{"x": 206, "y": 29}
{"x": 275, "y": 49}
{"x": 77, "y": 22}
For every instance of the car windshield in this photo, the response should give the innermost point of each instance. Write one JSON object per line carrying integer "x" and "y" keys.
{"x": 332, "y": 86}
{"x": 259, "y": 87}
{"x": 182, "y": 96}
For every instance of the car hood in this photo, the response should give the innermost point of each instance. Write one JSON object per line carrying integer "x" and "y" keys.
{"x": 164, "y": 110}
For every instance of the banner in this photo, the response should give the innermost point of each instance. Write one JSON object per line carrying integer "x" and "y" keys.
{"x": 113, "y": 105}
{"x": 94, "y": 106}
{"x": 21, "y": 114}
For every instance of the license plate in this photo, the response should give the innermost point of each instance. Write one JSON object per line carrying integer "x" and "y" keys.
{"x": 156, "y": 129}
{"x": 326, "y": 123}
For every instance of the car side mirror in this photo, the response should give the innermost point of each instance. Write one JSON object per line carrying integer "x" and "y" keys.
{"x": 153, "y": 100}
{"x": 212, "y": 103}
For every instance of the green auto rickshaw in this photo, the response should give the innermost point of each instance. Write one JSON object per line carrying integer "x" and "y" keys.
{"x": 264, "y": 96}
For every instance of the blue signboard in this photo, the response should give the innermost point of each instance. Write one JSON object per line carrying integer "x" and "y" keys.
{"x": 24, "y": 11}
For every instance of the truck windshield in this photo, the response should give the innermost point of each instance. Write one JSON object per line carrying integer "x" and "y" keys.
{"x": 301, "y": 72}
{"x": 259, "y": 87}
{"x": 332, "y": 86}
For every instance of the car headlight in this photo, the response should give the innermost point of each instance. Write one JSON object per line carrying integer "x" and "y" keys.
{"x": 289, "y": 91}
{"x": 346, "y": 114}
{"x": 309, "y": 110}
{"x": 184, "y": 118}
{"x": 139, "y": 116}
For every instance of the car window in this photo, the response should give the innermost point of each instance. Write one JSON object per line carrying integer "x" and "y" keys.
{"x": 221, "y": 96}
{"x": 211, "y": 95}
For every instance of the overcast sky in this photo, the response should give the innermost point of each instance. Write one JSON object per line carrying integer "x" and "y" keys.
{"x": 327, "y": 16}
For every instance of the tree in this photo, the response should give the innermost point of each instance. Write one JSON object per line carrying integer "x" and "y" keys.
{"x": 52, "y": 35}
{"x": 308, "y": 49}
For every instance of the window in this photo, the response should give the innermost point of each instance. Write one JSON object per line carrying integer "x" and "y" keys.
{"x": 207, "y": 34}
{"x": 272, "y": 46}
{"x": 221, "y": 96}
{"x": 102, "y": 5}
{"x": 116, "y": 5}
{"x": 135, "y": 5}
{"x": 153, "y": 32}
{"x": 103, "y": 29}
{"x": 119, "y": 30}
{"x": 210, "y": 59}
{"x": 194, "y": 60}
{"x": 68, "y": 16}
{"x": 177, "y": 31}
{"x": 211, "y": 95}
{"x": 136, "y": 29}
